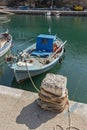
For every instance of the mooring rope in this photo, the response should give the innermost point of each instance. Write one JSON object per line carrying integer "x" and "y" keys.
{"x": 69, "y": 116}
{"x": 29, "y": 75}
{"x": 69, "y": 121}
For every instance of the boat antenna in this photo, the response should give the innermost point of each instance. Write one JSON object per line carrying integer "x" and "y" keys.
{"x": 52, "y": 4}
{"x": 56, "y": 35}
{"x": 7, "y": 31}
{"x": 49, "y": 30}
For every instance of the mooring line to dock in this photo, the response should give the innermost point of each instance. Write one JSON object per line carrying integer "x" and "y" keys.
{"x": 76, "y": 88}
{"x": 70, "y": 119}
{"x": 29, "y": 75}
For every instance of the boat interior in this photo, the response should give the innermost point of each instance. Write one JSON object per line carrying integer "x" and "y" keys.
{"x": 3, "y": 39}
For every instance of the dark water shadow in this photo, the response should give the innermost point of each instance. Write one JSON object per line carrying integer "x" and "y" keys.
{"x": 33, "y": 116}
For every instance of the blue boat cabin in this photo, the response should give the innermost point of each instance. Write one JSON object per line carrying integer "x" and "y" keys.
{"x": 44, "y": 45}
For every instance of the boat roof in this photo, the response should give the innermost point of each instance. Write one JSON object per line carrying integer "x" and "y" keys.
{"x": 47, "y": 36}
{"x": 45, "y": 42}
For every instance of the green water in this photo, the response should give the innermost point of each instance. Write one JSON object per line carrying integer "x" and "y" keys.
{"x": 25, "y": 28}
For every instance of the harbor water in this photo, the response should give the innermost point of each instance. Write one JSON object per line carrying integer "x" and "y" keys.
{"x": 25, "y": 28}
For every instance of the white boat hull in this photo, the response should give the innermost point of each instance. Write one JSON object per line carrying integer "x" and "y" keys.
{"x": 6, "y": 47}
{"x": 21, "y": 75}
{"x": 31, "y": 62}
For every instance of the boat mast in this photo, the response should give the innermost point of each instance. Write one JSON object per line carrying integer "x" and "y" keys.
{"x": 51, "y": 4}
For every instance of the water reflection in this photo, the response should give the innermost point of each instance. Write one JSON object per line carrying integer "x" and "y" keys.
{"x": 4, "y": 19}
{"x": 73, "y": 29}
{"x": 2, "y": 69}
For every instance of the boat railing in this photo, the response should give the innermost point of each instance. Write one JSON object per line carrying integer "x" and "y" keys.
{"x": 53, "y": 54}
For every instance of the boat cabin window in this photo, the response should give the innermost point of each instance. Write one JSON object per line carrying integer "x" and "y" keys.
{"x": 44, "y": 41}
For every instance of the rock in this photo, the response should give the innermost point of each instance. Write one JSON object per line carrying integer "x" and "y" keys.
{"x": 54, "y": 84}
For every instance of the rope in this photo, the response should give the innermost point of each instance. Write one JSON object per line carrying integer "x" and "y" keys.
{"x": 31, "y": 79}
{"x": 61, "y": 128}
{"x": 69, "y": 121}
{"x": 69, "y": 116}
{"x": 74, "y": 94}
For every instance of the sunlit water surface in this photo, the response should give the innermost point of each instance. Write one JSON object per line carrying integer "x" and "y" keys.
{"x": 25, "y": 28}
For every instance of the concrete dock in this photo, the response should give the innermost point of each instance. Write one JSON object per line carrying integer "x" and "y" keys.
{"x": 43, "y": 12}
{"x": 19, "y": 111}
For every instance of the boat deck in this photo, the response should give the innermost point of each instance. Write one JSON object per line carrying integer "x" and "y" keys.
{"x": 35, "y": 63}
{"x": 19, "y": 111}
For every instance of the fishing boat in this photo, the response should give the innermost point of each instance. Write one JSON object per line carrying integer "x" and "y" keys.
{"x": 48, "y": 13}
{"x": 38, "y": 58}
{"x": 57, "y": 14}
{"x": 5, "y": 43}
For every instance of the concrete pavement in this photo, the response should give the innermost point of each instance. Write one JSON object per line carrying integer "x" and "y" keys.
{"x": 19, "y": 111}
